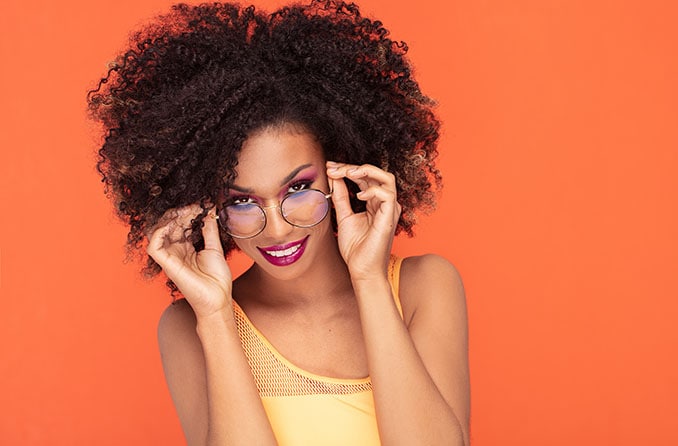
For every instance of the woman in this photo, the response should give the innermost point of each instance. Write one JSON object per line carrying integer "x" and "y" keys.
{"x": 301, "y": 139}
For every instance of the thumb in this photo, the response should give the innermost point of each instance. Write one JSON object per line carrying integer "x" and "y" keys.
{"x": 341, "y": 200}
{"x": 210, "y": 232}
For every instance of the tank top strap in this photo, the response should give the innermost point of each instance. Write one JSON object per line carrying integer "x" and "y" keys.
{"x": 276, "y": 376}
{"x": 394, "y": 279}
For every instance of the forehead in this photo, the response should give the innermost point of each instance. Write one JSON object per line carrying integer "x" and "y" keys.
{"x": 272, "y": 153}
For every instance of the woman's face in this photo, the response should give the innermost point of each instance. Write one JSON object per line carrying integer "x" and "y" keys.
{"x": 273, "y": 163}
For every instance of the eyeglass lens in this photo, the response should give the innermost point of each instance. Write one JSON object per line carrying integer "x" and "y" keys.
{"x": 304, "y": 209}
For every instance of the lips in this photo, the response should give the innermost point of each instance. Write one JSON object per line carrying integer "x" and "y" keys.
{"x": 283, "y": 255}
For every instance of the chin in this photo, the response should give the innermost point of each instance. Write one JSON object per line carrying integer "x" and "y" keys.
{"x": 292, "y": 259}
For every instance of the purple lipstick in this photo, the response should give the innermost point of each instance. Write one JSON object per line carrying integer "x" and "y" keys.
{"x": 283, "y": 255}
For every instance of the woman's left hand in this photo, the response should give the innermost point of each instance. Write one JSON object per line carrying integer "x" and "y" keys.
{"x": 365, "y": 238}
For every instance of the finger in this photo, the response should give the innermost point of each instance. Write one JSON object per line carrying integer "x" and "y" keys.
{"x": 210, "y": 232}
{"x": 365, "y": 175}
{"x": 181, "y": 216}
{"x": 166, "y": 251}
{"x": 372, "y": 175}
{"x": 340, "y": 199}
{"x": 168, "y": 216}
{"x": 343, "y": 170}
{"x": 171, "y": 228}
{"x": 337, "y": 170}
{"x": 156, "y": 242}
{"x": 382, "y": 201}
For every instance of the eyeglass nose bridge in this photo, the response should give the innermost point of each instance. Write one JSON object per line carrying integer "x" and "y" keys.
{"x": 278, "y": 206}
{"x": 273, "y": 206}
{"x": 279, "y": 213}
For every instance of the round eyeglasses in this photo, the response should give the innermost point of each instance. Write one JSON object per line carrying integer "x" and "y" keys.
{"x": 303, "y": 209}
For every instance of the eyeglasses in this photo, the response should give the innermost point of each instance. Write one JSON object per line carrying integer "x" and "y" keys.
{"x": 303, "y": 209}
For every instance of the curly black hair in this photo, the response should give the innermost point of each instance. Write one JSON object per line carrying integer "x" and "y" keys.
{"x": 177, "y": 105}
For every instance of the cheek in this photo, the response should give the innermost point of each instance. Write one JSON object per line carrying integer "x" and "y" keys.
{"x": 245, "y": 245}
{"x": 326, "y": 226}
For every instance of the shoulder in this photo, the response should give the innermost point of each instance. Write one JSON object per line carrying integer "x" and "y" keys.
{"x": 183, "y": 362}
{"x": 177, "y": 336}
{"x": 176, "y": 321}
{"x": 428, "y": 284}
{"x": 432, "y": 297}
{"x": 429, "y": 265}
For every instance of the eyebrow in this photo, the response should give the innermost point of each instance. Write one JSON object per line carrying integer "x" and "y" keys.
{"x": 285, "y": 180}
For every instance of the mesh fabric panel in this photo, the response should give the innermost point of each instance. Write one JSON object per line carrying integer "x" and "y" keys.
{"x": 275, "y": 378}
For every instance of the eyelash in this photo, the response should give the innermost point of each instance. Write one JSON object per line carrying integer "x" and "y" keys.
{"x": 296, "y": 186}
{"x": 241, "y": 199}
{"x": 305, "y": 184}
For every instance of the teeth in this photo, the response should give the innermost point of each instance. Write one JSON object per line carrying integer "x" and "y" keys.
{"x": 284, "y": 252}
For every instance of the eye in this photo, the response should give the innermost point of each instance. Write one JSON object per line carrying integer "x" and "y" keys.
{"x": 298, "y": 186}
{"x": 241, "y": 199}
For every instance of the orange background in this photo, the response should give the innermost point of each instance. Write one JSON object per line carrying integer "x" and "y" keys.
{"x": 559, "y": 208}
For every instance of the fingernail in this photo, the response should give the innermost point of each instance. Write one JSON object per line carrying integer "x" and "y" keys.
{"x": 331, "y": 165}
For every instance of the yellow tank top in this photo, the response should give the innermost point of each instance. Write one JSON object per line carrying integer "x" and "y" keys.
{"x": 307, "y": 409}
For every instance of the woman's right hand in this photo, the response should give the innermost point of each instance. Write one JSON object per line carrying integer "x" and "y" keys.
{"x": 203, "y": 277}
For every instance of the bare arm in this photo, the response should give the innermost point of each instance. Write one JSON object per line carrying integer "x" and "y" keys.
{"x": 419, "y": 370}
{"x": 206, "y": 369}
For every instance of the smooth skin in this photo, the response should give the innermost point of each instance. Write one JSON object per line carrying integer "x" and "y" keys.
{"x": 331, "y": 313}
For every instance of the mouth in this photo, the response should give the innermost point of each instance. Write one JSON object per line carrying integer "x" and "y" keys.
{"x": 283, "y": 255}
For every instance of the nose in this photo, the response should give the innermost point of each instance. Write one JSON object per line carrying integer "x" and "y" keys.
{"x": 276, "y": 226}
